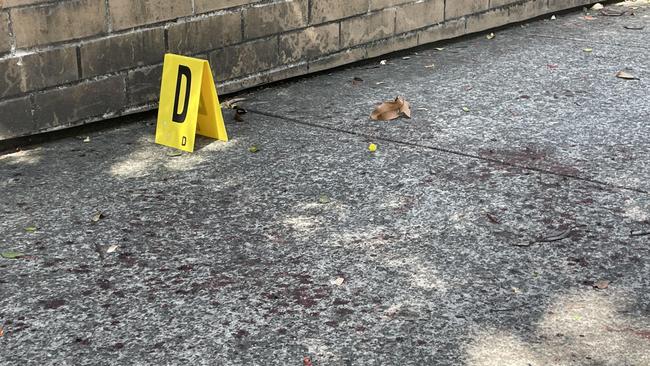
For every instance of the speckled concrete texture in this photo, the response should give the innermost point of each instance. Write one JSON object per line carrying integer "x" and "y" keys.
{"x": 438, "y": 249}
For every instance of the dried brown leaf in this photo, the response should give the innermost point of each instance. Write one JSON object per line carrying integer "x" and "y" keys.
{"x": 391, "y": 110}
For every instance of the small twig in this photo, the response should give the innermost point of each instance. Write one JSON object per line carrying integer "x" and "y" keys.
{"x": 555, "y": 236}
{"x": 510, "y": 309}
{"x": 493, "y": 219}
{"x": 639, "y": 233}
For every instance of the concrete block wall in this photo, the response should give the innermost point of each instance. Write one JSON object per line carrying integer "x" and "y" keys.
{"x": 69, "y": 62}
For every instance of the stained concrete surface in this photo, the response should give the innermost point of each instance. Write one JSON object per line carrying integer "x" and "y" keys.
{"x": 227, "y": 257}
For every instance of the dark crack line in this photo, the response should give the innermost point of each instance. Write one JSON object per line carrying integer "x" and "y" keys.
{"x": 447, "y": 151}
{"x": 635, "y": 45}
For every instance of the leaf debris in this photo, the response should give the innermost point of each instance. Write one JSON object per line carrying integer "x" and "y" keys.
{"x": 391, "y": 110}
{"x": 601, "y": 285}
{"x": 98, "y": 216}
{"x": 11, "y": 255}
{"x": 626, "y": 75}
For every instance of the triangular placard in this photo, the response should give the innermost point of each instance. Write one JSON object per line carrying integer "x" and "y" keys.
{"x": 189, "y": 104}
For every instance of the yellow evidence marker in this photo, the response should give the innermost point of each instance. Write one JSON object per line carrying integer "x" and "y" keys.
{"x": 189, "y": 104}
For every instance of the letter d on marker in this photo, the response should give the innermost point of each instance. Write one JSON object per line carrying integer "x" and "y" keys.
{"x": 182, "y": 71}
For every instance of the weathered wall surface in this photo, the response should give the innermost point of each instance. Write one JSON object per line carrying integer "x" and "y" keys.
{"x": 69, "y": 62}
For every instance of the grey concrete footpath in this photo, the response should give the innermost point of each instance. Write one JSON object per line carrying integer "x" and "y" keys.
{"x": 514, "y": 232}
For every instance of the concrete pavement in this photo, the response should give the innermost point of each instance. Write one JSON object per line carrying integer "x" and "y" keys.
{"x": 503, "y": 225}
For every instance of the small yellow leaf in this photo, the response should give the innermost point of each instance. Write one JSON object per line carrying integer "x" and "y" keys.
{"x": 339, "y": 281}
{"x": 11, "y": 255}
{"x": 372, "y": 147}
{"x": 490, "y": 36}
{"x": 324, "y": 199}
{"x": 30, "y": 229}
{"x": 588, "y": 50}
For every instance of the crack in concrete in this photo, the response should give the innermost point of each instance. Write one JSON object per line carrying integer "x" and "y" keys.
{"x": 449, "y": 151}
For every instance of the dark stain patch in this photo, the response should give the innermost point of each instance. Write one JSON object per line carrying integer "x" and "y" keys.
{"x": 645, "y": 334}
{"x": 582, "y": 262}
{"x": 212, "y": 284}
{"x": 301, "y": 296}
{"x": 51, "y": 262}
{"x": 19, "y": 327}
{"x": 270, "y": 296}
{"x": 586, "y": 201}
{"x": 304, "y": 279}
{"x": 518, "y": 157}
{"x": 52, "y": 303}
{"x": 321, "y": 293}
{"x": 564, "y": 169}
{"x": 118, "y": 346}
{"x": 240, "y": 334}
{"x": 87, "y": 293}
{"x": 84, "y": 268}
{"x": 344, "y": 311}
{"x": 127, "y": 259}
{"x": 186, "y": 268}
{"x": 338, "y": 301}
{"x": 104, "y": 284}
{"x": 82, "y": 341}
{"x": 332, "y": 323}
